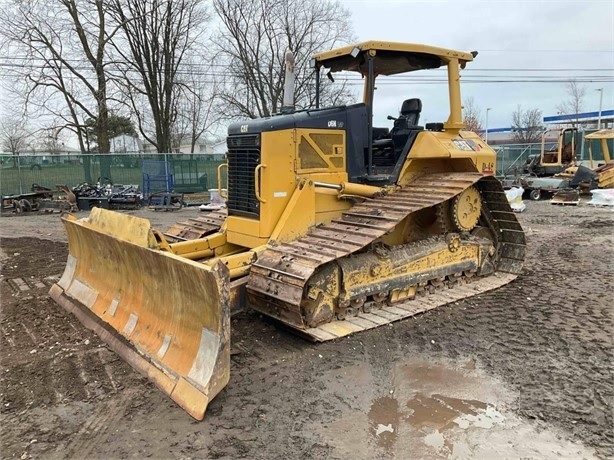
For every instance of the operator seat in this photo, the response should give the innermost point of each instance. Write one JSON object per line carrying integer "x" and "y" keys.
{"x": 410, "y": 114}
{"x": 388, "y": 148}
{"x": 408, "y": 119}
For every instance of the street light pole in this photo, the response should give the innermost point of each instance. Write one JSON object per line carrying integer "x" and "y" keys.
{"x": 486, "y": 133}
{"x": 600, "y": 102}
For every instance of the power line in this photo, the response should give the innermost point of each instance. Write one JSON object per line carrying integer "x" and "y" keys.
{"x": 395, "y": 79}
{"x": 479, "y": 75}
{"x": 42, "y": 61}
{"x": 436, "y": 81}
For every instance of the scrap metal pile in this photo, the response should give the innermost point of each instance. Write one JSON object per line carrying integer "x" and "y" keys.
{"x": 39, "y": 199}
{"x": 63, "y": 198}
{"x": 108, "y": 196}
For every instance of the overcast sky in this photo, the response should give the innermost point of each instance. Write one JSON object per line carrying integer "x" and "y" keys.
{"x": 522, "y": 41}
{"x": 523, "y": 37}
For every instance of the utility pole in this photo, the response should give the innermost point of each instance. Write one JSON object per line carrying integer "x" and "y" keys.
{"x": 486, "y": 133}
{"x": 600, "y": 105}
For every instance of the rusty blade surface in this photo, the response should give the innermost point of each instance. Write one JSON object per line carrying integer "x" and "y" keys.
{"x": 165, "y": 315}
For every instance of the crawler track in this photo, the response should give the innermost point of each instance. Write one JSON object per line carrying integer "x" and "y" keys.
{"x": 197, "y": 227}
{"x": 277, "y": 281}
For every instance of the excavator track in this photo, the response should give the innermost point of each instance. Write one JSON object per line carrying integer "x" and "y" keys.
{"x": 278, "y": 279}
{"x": 197, "y": 227}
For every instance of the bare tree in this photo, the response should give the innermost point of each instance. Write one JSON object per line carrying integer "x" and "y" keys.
{"x": 179, "y": 131}
{"x": 196, "y": 119}
{"x": 527, "y": 125}
{"x": 252, "y": 43}
{"x": 52, "y": 141}
{"x": 574, "y": 104}
{"x": 14, "y": 135}
{"x": 64, "y": 44}
{"x": 195, "y": 111}
{"x": 65, "y": 67}
{"x": 158, "y": 35}
{"x": 471, "y": 116}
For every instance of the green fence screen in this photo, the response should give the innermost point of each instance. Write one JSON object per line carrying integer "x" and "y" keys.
{"x": 190, "y": 173}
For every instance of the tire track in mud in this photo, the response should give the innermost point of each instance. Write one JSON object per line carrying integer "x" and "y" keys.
{"x": 69, "y": 375}
{"x": 95, "y": 430}
{"x": 548, "y": 334}
{"x": 48, "y": 360}
{"x": 262, "y": 354}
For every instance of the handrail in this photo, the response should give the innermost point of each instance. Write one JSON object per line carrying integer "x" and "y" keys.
{"x": 257, "y": 182}
{"x": 219, "y": 179}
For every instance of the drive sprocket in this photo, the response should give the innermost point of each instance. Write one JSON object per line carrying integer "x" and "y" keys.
{"x": 466, "y": 209}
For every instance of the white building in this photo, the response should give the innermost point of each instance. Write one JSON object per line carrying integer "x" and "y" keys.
{"x": 216, "y": 149}
{"x": 125, "y": 143}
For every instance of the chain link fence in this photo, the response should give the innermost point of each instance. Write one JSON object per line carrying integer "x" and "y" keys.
{"x": 189, "y": 173}
{"x": 511, "y": 158}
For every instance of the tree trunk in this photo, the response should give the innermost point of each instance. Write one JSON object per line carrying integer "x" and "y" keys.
{"x": 102, "y": 129}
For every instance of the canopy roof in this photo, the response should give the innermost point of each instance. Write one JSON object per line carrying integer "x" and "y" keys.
{"x": 390, "y": 57}
{"x": 602, "y": 134}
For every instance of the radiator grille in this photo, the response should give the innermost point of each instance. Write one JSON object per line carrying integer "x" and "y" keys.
{"x": 243, "y": 157}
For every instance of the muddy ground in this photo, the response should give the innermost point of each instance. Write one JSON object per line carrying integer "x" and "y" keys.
{"x": 525, "y": 371}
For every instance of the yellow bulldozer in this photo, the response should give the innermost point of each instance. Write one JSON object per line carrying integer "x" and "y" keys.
{"x": 333, "y": 226}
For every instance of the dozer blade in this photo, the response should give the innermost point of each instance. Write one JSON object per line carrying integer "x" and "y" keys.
{"x": 167, "y": 316}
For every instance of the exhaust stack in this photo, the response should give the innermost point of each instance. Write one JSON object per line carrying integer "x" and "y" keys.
{"x": 288, "y": 103}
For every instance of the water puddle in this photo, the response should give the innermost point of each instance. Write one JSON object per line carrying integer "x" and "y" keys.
{"x": 443, "y": 412}
{"x": 438, "y": 410}
{"x": 384, "y": 417}
{"x": 437, "y": 441}
{"x": 435, "y": 415}
{"x": 487, "y": 419}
